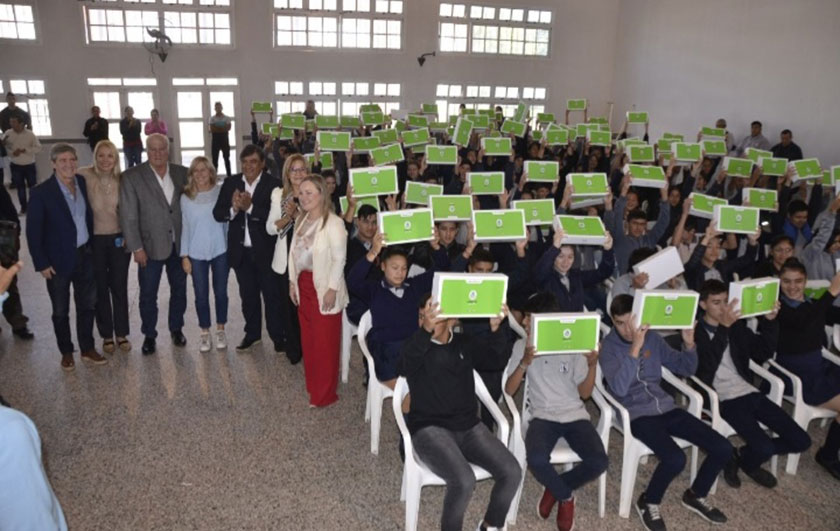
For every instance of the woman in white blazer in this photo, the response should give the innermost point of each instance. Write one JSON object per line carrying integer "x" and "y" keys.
{"x": 316, "y": 286}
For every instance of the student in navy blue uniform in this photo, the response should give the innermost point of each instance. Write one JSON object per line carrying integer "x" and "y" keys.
{"x": 705, "y": 262}
{"x": 392, "y": 301}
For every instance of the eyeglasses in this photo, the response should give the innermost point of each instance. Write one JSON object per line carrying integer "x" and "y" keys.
{"x": 297, "y": 170}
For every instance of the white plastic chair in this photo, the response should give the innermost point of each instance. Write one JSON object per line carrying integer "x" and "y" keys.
{"x": 634, "y": 449}
{"x": 516, "y": 327}
{"x": 803, "y": 413}
{"x": 348, "y": 330}
{"x": 416, "y": 474}
{"x": 562, "y": 454}
{"x": 377, "y": 392}
{"x": 721, "y": 426}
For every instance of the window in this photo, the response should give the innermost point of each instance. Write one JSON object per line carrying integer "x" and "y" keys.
{"x": 17, "y": 22}
{"x": 492, "y": 30}
{"x": 320, "y": 23}
{"x": 449, "y": 97}
{"x": 180, "y": 21}
{"x": 31, "y": 97}
{"x": 113, "y": 94}
{"x": 195, "y": 100}
{"x": 334, "y": 98}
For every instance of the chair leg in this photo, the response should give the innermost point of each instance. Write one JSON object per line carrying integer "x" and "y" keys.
{"x": 375, "y": 420}
{"x": 412, "y": 505}
{"x": 402, "y": 485}
{"x": 774, "y": 466}
{"x": 628, "y": 482}
{"x": 693, "y": 463}
{"x": 602, "y": 495}
{"x": 345, "y": 357}
{"x": 793, "y": 459}
{"x": 513, "y": 512}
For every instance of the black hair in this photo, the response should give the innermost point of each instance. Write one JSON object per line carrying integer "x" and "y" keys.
{"x": 391, "y": 252}
{"x": 252, "y": 149}
{"x": 328, "y": 173}
{"x": 793, "y": 264}
{"x": 637, "y": 213}
{"x": 541, "y": 302}
{"x": 710, "y": 287}
{"x": 480, "y": 254}
{"x": 621, "y": 305}
{"x": 756, "y": 122}
{"x": 796, "y": 206}
{"x": 676, "y": 187}
{"x": 690, "y": 223}
{"x": 642, "y": 253}
{"x": 423, "y": 300}
{"x": 787, "y": 132}
{"x": 781, "y": 238}
{"x": 834, "y": 234}
{"x": 365, "y": 211}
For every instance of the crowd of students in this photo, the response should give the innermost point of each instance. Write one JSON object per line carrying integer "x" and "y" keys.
{"x": 278, "y": 226}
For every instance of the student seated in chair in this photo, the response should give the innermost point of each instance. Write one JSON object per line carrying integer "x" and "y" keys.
{"x": 725, "y": 346}
{"x": 557, "y": 387}
{"x": 632, "y": 361}
{"x": 447, "y": 435}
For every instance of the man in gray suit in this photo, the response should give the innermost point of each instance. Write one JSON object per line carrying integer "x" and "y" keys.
{"x": 150, "y": 214}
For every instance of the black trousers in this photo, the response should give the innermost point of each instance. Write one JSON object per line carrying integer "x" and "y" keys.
{"x": 223, "y": 147}
{"x": 257, "y": 280}
{"x": 13, "y": 309}
{"x": 84, "y": 296}
{"x": 110, "y": 265}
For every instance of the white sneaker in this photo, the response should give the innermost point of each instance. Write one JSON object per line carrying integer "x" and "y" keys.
{"x": 221, "y": 340}
{"x": 204, "y": 344}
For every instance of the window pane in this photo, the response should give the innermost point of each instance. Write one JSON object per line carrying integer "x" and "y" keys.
{"x": 189, "y": 105}
{"x": 109, "y": 104}
{"x": 191, "y": 134}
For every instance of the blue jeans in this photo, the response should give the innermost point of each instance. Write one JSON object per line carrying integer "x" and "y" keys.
{"x": 149, "y": 279}
{"x": 581, "y": 436}
{"x": 84, "y": 295}
{"x": 449, "y": 453}
{"x": 201, "y": 286}
{"x": 745, "y": 412}
{"x": 23, "y": 176}
{"x": 133, "y": 155}
{"x": 656, "y": 432}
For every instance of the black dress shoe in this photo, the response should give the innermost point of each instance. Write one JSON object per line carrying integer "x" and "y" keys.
{"x": 294, "y": 357}
{"x": 148, "y": 346}
{"x": 24, "y": 333}
{"x": 178, "y": 338}
{"x": 247, "y": 343}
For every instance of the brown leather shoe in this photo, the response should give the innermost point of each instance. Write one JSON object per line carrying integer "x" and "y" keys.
{"x": 94, "y": 357}
{"x": 67, "y": 362}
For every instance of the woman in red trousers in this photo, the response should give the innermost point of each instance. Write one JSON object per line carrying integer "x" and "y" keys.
{"x": 316, "y": 286}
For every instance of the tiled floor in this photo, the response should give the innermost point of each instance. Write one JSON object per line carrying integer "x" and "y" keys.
{"x": 182, "y": 440}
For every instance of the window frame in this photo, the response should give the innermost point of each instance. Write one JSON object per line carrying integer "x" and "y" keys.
{"x": 36, "y": 22}
{"x": 499, "y": 24}
{"x": 6, "y": 83}
{"x": 340, "y": 14}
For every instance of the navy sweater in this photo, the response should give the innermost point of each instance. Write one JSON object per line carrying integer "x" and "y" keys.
{"x": 570, "y": 300}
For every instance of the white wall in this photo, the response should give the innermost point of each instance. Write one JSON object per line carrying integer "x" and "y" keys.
{"x": 777, "y": 61}
{"x": 65, "y": 62}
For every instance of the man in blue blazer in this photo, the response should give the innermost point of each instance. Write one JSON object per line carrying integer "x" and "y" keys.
{"x": 59, "y": 225}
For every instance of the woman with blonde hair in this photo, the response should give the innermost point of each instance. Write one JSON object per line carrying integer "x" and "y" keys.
{"x": 204, "y": 249}
{"x": 281, "y": 221}
{"x": 110, "y": 259}
{"x": 317, "y": 288}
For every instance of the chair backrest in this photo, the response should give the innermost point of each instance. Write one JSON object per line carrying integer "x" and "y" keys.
{"x": 365, "y": 324}
{"x": 516, "y": 327}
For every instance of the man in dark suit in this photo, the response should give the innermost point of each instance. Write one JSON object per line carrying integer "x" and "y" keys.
{"x": 58, "y": 230}
{"x": 150, "y": 215}
{"x": 244, "y": 202}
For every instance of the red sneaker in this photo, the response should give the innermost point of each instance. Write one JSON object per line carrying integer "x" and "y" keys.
{"x": 566, "y": 515}
{"x": 545, "y": 505}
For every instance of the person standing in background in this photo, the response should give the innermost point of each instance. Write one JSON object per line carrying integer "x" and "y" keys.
{"x": 96, "y": 128}
{"x": 22, "y": 145}
{"x": 12, "y": 110}
{"x": 12, "y": 307}
{"x": 110, "y": 259}
{"x": 156, "y": 125}
{"x": 132, "y": 144}
{"x": 219, "y": 127}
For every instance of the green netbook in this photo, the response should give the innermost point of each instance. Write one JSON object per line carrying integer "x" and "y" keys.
{"x": 542, "y": 171}
{"x": 754, "y": 154}
{"x": 599, "y": 138}
{"x": 309, "y": 125}
{"x": 806, "y": 169}
{"x": 372, "y": 201}
{"x": 370, "y": 107}
{"x": 536, "y": 135}
{"x": 703, "y": 206}
{"x": 327, "y": 122}
{"x": 640, "y": 153}
{"x": 581, "y": 230}
{"x": 446, "y": 155}
{"x": 499, "y": 225}
{"x": 438, "y": 127}
{"x": 565, "y": 333}
{"x": 815, "y": 289}
{"x": 663, "y": 145}
{"x": 286, "y": 133}
{"x": 576, "y": 104}
{"x": 588, "y": 184}
{"x": 480, "y": 122}
{"x": 500, "y": 147}
{"x": 675, "y": 137}
{"x": 646, "y": 176}
{"x": 269, "y": 128}
{"x": 374, "y": 181}
{"x": 740, "y": 220}
{"x": 557, "y": 137}
{"x": 478, "y": 295}
{"x": 469, "y": 112}
{"x": 399, "y": 126}
{"x": 687, "y": 151}
{"x": 350, "y": 122}
{"x": 261, "y": 107}
{"x": 429, "y": 108}
{"x": 521, "y": 112}
{"x": 417, "y": 193}
{"x": 760, "y": 198}
{"x": 755, "y": 296}
{"x": 365, "y": 143}
{"x": 714, "y": 148}
{"x": 293, "y": 121}
{"x": 333, "y": 140}
{"x": 418, "y": 120}
{"x": 406, "y": 226}
{"x": 415, "y": 137}
{"x": 665, "y": 309}
{"x": 326, "y": 160}
{"x": 387, "y": 136}
{"x": 387, "y": 154}
{"x": 736, "y": 167}
{"x": 486, "y": 182}
{"x": 452, "y": 207}
{"x": 713, "y": 132}
{"x": 637, "y": 117}
{"x": 774, "y": 167}
{"x": 463, "y": 130}
{"x": 537, "y": 211}
{"x": 513, "y": 127}
{"x": 835, "y": 174}
{"x": 373, "y": 118}
{"x": 545, "y": 117}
